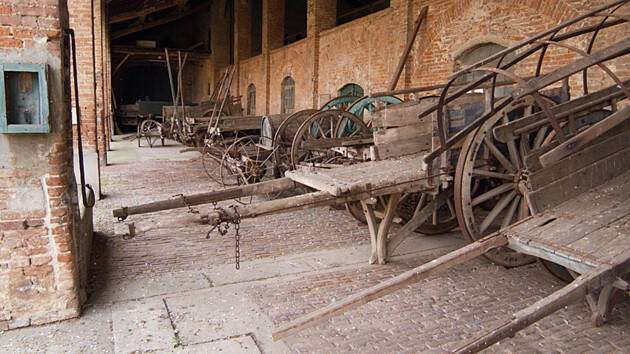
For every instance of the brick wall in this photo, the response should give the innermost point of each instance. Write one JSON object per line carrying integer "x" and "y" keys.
{"x": 38, "y": 198}
{"x": 366, "y": 51}
{"x": 86, "y": 18}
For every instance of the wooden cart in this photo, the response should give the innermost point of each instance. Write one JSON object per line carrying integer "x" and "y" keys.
{"x": 522, "y": 154}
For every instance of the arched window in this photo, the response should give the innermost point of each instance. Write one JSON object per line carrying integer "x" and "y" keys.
{"x": 288, "y": 95}
{"x": 251, "y": 100}
{"x": 351, "y": 90}
{"x": 476, "y": 54}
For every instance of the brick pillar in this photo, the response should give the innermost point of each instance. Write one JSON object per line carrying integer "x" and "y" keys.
{"x": 243, "y": 37}
{"x": 38, "y": 195}
{"x": 272, "y": 38}
{"x": 321, "y": 15}
{"x": 86, "y": 20}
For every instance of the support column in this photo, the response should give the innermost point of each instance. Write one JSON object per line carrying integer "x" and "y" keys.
{"x": 243, "y": 40}
{"x": 321, "y": 15}
{"x": 272, "y": 38}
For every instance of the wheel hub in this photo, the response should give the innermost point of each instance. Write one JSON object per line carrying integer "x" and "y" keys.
{"x": 521, "y": 178}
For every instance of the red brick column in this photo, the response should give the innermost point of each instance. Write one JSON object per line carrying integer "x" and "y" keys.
{"x": 321, "y": 15}
{"x": 38, "y": 275}
{"x": 86, "y": 20}
{"x": 273, "y": 37}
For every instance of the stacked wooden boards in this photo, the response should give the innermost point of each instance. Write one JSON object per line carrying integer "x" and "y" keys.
{"x": 399, "y": 132}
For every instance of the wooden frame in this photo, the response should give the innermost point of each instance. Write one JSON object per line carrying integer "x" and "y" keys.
{"x": 41, "y": 71}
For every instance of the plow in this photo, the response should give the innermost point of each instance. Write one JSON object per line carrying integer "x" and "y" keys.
{"x": 520, "y": 173}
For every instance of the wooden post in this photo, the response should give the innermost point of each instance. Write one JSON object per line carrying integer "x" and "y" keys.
{"x": 368, "y": 210}
{"x": 405, "y": 55}
{"x": 383, "y": 227}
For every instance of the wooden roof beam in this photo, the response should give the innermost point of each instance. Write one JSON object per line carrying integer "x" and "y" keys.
{"x": 143, "y": 13}
{"x": 167, "y": 19}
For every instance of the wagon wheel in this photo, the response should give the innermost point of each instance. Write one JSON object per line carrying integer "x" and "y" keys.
{"x": 360, "y": 106}
{"x": 283, "y": 139}
{"x": 211, "y": 159}
{"x": 245, "y": 161}
{"x": 443, "y": 220}
{"x": 151, "y": 130}
{"x": 341, "y": 102}
{"x": 331, "y": 124}
{"x": 490, "y": 181}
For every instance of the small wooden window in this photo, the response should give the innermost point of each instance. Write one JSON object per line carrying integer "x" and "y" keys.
{"x": 251, "y": 100}
{"x": 288, "y": 95}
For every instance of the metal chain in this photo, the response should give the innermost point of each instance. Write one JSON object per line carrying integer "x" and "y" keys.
{"x": 237, "y": 238}
{"x": 190, "y": 208}
{"x": 223, "y": 226}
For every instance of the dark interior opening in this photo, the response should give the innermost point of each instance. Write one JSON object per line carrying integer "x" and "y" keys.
{"x": 146, "y": 82}
{"x": 349, "y": 10}
{"x": 256, "y": 34}
{"x": 294, "y": 21}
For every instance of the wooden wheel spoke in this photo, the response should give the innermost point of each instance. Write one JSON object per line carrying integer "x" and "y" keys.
{"x": 502, "y": 204}
{"x": 486, "y": 173}
{"x": 492, "y": 193}
{"x": 509, "y": 215}
{"x": 499, "y": 155}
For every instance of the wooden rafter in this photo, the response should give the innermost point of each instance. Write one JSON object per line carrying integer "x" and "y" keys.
{"x": 167, "y": 19}
{"x": 141, "y": 13}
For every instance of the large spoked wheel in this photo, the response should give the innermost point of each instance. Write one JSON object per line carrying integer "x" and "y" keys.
{"x": 319, "y": 140}
{"x": 245, "y": 161}
{"x": 490, "y": 181}
{"x": 441, "y": 221}
{"x": 283, "y": 139}
{"x": 151, "y": 131}
{"x": 211, "y": 156}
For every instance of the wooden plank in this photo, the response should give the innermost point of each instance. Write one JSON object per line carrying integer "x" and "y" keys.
{"x": 402, "y": 114}
{"x": 318, "y": 181}
{"x": 409, "y": 277}
{"x": 580, "y": 181}
{"x": 328, "y": 143}
{"x": 277, "y": 185}
{"x": 574, "y": 291}
{"x": 526, "y": 246}
{"x": 579, "y": 160}
{"x": 601, "y": 242}
{"x": 395, "y": 134}
{"x": 580, "y": 140}
{"x": 597, "y": 100}
{"x": 403, "y": 147}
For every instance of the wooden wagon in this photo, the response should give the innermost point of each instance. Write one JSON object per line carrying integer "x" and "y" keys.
{"x": 508, "y": 172}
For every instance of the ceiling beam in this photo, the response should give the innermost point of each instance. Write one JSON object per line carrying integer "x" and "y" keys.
{"x": 167, "y": 19}
{"x": 130, "y": 15}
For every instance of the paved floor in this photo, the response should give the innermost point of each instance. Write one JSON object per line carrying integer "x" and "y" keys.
{"x": 171, "y": 289}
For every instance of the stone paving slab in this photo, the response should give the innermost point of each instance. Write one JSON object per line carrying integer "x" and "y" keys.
{"x": 221, "y": 312}
{"x": 141, "y": 325}
{"x": 91, "y": 333}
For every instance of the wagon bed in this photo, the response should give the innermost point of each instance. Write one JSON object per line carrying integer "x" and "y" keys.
{"x": 581, "y": 234}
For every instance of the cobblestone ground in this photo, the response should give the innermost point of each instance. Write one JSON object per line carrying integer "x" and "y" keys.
{"x": 170, "y": 287}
